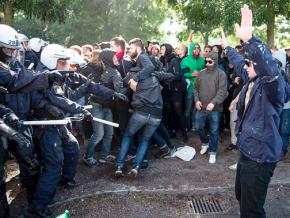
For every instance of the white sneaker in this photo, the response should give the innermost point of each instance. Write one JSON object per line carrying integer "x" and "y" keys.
{"x": 233, "y": 167}
{"x": 212, "y": 159}
{"x": 204, "y": 148}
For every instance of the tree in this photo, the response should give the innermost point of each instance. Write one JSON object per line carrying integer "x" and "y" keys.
{"x": 204, "y": 16}
{"x": 93, "y": 21}
{"x": 266, "y": 11}
{"x": 201, "y": 16}
{"x": 45, "y": 10}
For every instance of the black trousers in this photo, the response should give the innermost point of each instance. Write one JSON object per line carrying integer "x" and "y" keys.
{"x": 252, "y": 180}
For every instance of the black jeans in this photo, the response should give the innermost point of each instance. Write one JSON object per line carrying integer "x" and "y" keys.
{"x": 252, "y": 180}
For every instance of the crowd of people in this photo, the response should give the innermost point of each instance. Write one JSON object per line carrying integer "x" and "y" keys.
{"x": 153, "y": 91}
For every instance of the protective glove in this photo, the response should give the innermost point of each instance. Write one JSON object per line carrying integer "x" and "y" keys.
{"x": 87, "y": 115}
{"x": 121, "y": 96}
{"x": 11, "y": 120}
{"x": 24, "y": 145}
{"x": 84, "y": 86}
{"x": 54, "y": 111}
{"x": 55, "y": 76}
{"x": 26, "y": 152}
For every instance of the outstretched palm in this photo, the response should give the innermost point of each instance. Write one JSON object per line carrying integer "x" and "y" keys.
{"x": 244, "y": 31}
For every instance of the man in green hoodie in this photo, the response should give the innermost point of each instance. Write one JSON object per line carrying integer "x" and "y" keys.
{"x": 191, "y": 66}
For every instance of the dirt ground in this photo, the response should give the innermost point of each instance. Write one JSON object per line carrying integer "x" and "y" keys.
{"x": 162, "y": 190}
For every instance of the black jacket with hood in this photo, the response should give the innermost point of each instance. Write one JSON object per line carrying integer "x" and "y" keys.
{"x": 171, "y": 65}
{"x": 111, "y": 77}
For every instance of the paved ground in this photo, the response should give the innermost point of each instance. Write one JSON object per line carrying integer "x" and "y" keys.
{"x": 162, "y": 190}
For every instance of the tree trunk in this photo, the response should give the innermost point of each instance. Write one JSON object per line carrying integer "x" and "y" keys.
{"x": 205, "y": 38}
{"x": 8, "y": 13}
{"x": 271, "y": 30}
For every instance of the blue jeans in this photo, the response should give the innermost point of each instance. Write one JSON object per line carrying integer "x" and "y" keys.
{"x": 285, "y": 129}
{"x": 189, "y": 110}
{"x": 136, "y": 122}
{"x": 101, "y": 131}
{"x": 214, "y": 121}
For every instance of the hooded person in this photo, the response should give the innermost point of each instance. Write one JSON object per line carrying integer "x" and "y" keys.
{"x": 190, "y": 67}
{"x": 172, "y": 93}
{"x": 112, "y": 79}
{"x": 210, "y": 90}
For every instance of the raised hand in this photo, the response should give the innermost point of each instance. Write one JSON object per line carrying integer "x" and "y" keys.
{"x": 245, "y": 30}
{"x": 224, "y": 41}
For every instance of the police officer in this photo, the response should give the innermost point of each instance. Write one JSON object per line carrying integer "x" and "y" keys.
{"x": 30, "y": 59}
{"x": 22, "y": 150}
{"x": 59, "y": 149}
{"x": 13, "y": 75}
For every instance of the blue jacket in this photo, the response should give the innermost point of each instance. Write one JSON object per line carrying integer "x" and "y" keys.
{"x": 258, "y": 124}
{"x": 18, "y": 78}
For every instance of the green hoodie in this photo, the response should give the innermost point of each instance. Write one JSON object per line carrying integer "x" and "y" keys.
{"x": 193, "y": 64}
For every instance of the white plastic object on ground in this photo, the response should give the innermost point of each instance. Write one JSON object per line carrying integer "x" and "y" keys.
{"x": 185, "y": 153}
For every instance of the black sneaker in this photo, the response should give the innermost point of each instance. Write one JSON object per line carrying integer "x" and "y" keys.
{"x": 119, "y": 172}
{"x": 232, "y": 147}
{"x": 162, "y": 152}
{"x": 68, "y": 184}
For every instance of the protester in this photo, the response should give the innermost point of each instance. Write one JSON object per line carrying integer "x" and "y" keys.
{"x": 263, "y": 96}
{"x": 190, "y": 67}
{"x": 210, "y": 90}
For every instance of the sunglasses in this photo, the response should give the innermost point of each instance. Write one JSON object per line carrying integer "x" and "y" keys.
{"x": 197, "y": 47}
{"x": 208, "y": 62}
{"x": 249, "y": 63}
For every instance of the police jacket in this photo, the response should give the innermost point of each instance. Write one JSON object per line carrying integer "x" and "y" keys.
{"x": 258, "y": 123}
{"x": 18, "y": 78}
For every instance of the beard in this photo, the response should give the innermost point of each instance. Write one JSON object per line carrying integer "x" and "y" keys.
{"x": 134, "y": 54}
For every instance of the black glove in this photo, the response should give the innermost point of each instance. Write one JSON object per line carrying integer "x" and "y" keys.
{"x": 26, "y": 152}
{"x": 55, "y": 76}
{"x": 24, "y": 145}
{"x": 54, "y": 111}
{"x": 11, "y": 120}
{"x": 121, "y": 96}
{"x": 87, "y": 115}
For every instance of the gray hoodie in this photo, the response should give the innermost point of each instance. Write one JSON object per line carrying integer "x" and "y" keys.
{"x": 211, "y": 86}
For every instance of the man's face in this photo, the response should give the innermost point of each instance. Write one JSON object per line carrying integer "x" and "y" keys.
{"x": 62, "y": 64}
{"x": 115, "y": 47}
{"x": 150, "y": 45}
{"x": 209, "y": 62}
{"x": 206, "y": 51}
{"x": 133, "y": 53}
{"x": 8, "y": 51}
{"x": 155, "y": 51}
{"x": 215, "y": 49}
{"x": 162, "y": 50}
{"x": 249, "y": 67}
{"x": 196, "y": 50}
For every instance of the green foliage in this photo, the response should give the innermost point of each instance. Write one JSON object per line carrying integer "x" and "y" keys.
{"x": 205, "y": 16}
{"x": 45, "y": 10}
{"x": 99, "y": 20}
